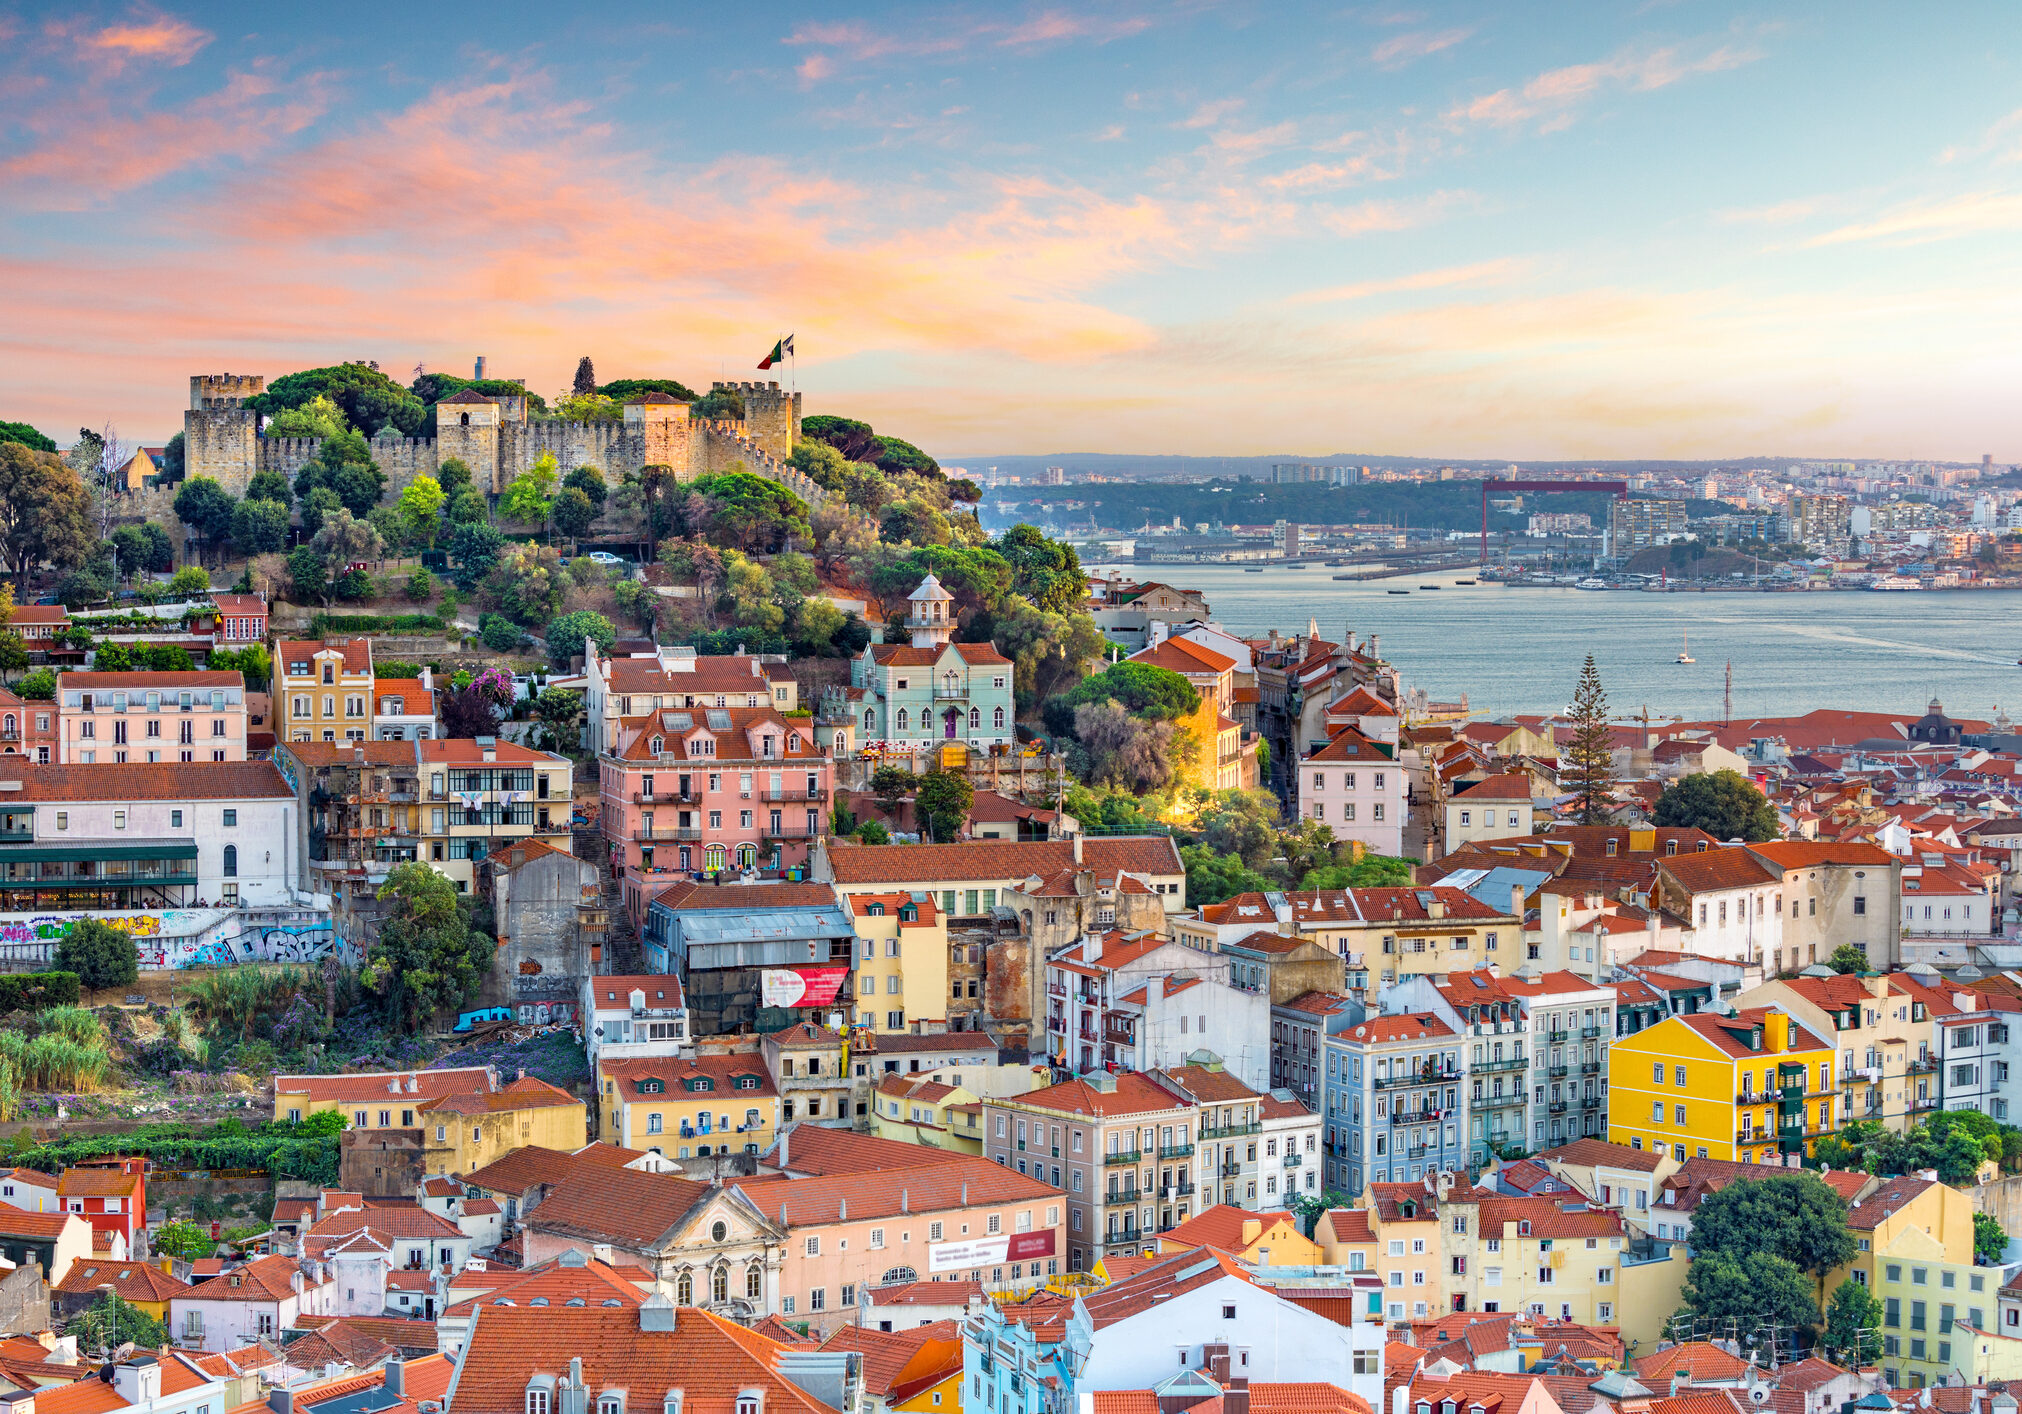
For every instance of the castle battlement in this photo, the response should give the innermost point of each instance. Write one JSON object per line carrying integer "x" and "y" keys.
{"x": 217, "y": 392}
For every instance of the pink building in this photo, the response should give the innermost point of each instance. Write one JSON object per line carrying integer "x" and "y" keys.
{"x": 27, "y": 728}
{"x": 150, "y": 717}
{"x": 1354, "y": 787}
{"x": 699, "y": 790}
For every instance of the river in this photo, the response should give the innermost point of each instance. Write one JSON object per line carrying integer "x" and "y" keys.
{"x": 1519, "y": 650}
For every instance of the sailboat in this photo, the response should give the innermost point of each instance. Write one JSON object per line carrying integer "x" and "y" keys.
{"x": 1685, "y": 655}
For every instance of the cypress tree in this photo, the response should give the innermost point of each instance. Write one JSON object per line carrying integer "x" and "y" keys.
{"x": 586, "y": 377}
{"x": 1590, "y": 762}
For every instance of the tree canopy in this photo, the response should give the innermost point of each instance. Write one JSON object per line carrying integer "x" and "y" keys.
{"x": 567, "y": 634}
{"x": 45, "y": 512}
{"x": 857, "y": 442}
{"x": 746, "y": 511}
{"x": 1143, "y": 689}
{"x": 1590, "y": 759}
{"x": 428, "y": 957}
{"x": 1792, "y": 1215}
{"x": 1725, "y": 804}
{"x": 100, "y": 955}
{"x": 368, "y": 398}
{"x": 1755, "y": 1293}
{"x": 1046, "y": 572}
{"x": 27, "y": 436}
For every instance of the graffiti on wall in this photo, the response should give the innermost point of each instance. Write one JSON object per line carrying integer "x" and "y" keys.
{"x": 542, "y": 1000}
{"x": 172, "y": 938}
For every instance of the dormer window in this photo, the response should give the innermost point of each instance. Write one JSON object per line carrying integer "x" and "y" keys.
{"x": 874, "y": 910}
{"x": 652, "y": 1087}
{"x": 747, "y": 1082}
{"x": 1524, "y": 1228}
{"x": 611, "y": 1403}
{"x": 540, "y": 1395}
{"x": 672, "y": 1404}
{"x": 701, "y": 1083}
{"x": 658, "y": 745}
{"x": 750, "y": 1401}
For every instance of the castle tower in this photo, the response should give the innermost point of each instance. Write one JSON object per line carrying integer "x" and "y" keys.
{"x": 932, "y": 619}
{"x": 771, "y": 417}
{"x": 221, "y": 435}
{"x": 467, "y": 427}
{"x": 661, "y": 423}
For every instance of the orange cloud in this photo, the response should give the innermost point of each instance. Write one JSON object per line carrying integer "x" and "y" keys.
{"x": 148, "y": 36}
{"x": 1970, "y": 214}
{"x": 1485, "y": 272}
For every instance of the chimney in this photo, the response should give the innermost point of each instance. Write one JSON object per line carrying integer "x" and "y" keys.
{"x": 784, "y": 1135}
{"x": 1077, "y": 849}
{"x": 1215, "y": 1361}
{"x": 396, "y": 1375}
{"x": 18, "y": 1401}
{"x": 488, "y": 746}
{"x": 137, "y": 1380}
{"x": 480, "y": 367}
{"x": 1253, "y": 1228}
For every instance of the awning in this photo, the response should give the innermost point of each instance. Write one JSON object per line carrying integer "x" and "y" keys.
{"x": 162, "y": 849}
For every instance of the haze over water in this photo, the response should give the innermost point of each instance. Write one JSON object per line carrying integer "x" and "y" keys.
{"x": 1519, "y": 650}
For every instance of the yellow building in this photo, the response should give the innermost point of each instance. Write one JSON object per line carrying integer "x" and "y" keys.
{"x": 462, "y": 1133}
{"x": 1914, "y": 1241}
{"x": 323, "y": 691}
{"x": 688, "y": 1108}
{"x": 1752, "y": 1086}
{"x": 1404, "y": 1220}
{"x": 481, "y": 796}
{"x": 902, "y": 959}
{"x": 1885, "y": 1035}
{"x": 1261, "y": 1239}
{"x": 1346, "y": 1239}
{"x": 382, "y": 1099}
{"x": 914, "y": 1110}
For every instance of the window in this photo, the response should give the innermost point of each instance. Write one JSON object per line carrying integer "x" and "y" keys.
{"x": 537, "y": 1399}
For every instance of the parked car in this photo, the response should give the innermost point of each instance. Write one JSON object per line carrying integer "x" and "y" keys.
{"x": 605, "y": 557}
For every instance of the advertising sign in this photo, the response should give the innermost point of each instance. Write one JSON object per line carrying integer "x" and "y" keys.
{"x": 974, "y": 1253}
{"x": 801, "y": 986}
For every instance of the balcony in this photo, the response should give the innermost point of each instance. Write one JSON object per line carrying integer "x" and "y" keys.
{"x": 1402, "y": 1117}
{"x": 1922, "y": 1065}
{"x": 1590, "y": 1068}
{"x": 951, "y": 694}
{"x": 1496, "y": 1102}
{"x": 1124, "y": 1156}
{"x": 1293, "y": 1161}
{"x": 1922, "y": 1103}
{"x": 1123, "y": 1195}
{"x": 1230, "y": 1168}
{"x": 1123, "y": 1235}
{"x": 1175, "y": 1151}
{"x": 17, "y": 836}
{"x": 1592, "y": 1033}
{"x": 1171, "y": 1191}
{"x": 793, "y": 797}
{"x": 1228, "y": 1131}
{"x": 1590, "y": 1102}
{"x": 1056, "y": 989}
{"x": 1556, "y": 1072}
{"x": 1500, "y": 1066}
{"x": 1556, "y": 1036}
{"x": 1423, "y": 1077}
{"x": 667, "y": 833}
{"x": 667, "y": 797}
{"x": 1557, "y": 1107}
{"x": 1118, "y": 1035}
{"x": 802, "y": 831}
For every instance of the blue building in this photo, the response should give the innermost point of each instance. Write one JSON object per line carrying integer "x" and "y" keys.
{"x": 933, "y": 692}
{"x": 1396, "y": 1096}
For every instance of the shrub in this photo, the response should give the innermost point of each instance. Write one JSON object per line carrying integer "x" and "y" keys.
{"x": 500, "y": 634}
{"x": 29, "y": 991}
{"x": 420, "y": 585}
{"x": 323, "y": 625}
{"x": 101, "y": 956}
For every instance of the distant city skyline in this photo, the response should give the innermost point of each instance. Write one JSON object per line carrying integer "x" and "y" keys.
{"x": 1534, "y": 232}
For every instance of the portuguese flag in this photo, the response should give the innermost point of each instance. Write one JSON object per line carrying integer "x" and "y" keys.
{"x": 781, "y": 351}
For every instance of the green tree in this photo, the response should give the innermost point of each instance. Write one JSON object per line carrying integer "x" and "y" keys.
{"x": 873, "y": 832}
{"x": 1989, "y": 1241}
{"x": 1046, "y": 572}
{"x": 1143, "y": 690}
{"x": 144, "y": 548}
{"x": 1753, "y": 1289}
{"x": 308, "y": 576}
{"x": 1725, "y": 804}
{"x": 468, "y": 507}
{"x": 317, "y": 505}
{"x": 452, "y": 474}
{"x": 528, "y": 583}
{"x": 13, "y": 655}
{"x": 1212, "y": 878}
{"x": 1853, "y": 1326}
{"x": 941, "y": 801}
{"x": 1848, "y": 957}
{"x": 1590, "y": 757}
{"x": 586, "y": 378}
{"x": 111, "y": 1321}
{"x": 1115, "y": 747}
{"x": 368, "y": 398}
{"x": 259, "y": 527}
{"x": 112, "y": 658}
{"x": 558, "y": 706}
{"x": 567, "y": 634}
{"x": 427, "y": 957}
{"x": 589, "y": 481}
{"x": 319, "y": 417}
{"x": 891, "y": 785}
{"x": 572, "y": 512}
{"x": 344, "y": 464}
{"x": 207, "y": 508}
{"x": 420, "y": 585}
{"x": 253, "y": 661}
{"x": 189, "y": 582}
{"x": 1792, "y": 1215}
{"x": 1049, "y": 652}
{"x": 270, "y": 486}
{"x": 625, "y": 389}
{"x": 38, "y": 686}
{"x": 101, "y": 956}
{"x": 180, "y": 1239}
{"x": 530, "y": 495}
{"x": 475, "y": 548}
{"x": 421, "y": 508}
{"x": 500, "y": 634}
{"x": 343, "y": 540}
{"x": 27, "y": 436}
{"x": 747, "y": 512}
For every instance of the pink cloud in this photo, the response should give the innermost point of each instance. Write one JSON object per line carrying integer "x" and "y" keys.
{"x": 1552, "y": 95}
{"x": 159, "y": 37}
{"x": 1402, "y": 49}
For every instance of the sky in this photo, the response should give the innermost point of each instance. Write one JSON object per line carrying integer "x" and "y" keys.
{"x": 1536, "y": 231}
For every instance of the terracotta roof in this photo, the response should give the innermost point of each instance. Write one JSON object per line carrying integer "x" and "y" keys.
{"x": 1161, "y": 1281}
{"x": 1319, "y": 1003}
{"x": 465, "y": 751}
{"x": 161, "y": 780}
{"x": 690, "y": 896}
{"x": 1807, "y": 854}
{"x": 1720, "y": 1030}
{"x": 1181, "y": 655}
{"x": 1222, "y": 1227}
{"x": 959, "y": 1181}
{"x": 887, "y": 1353}
{"x": 526, "y": 1093}
{"x": 96, "y": 1181}
{"x": 1411, "y": 1026}
{"x": 904, "y": 655}
{"x": 239, "y": 606}
{"x": 357, "y": 656}
{"x": 814, "y": 1150}
{"x": 1702, "y": 1360}
{"x": 709, "y": 1359}
{"x": 1133, "y": 1095}
{"x": 998, "y": 859}
{"x": 264, "y": 1279}
{"x": 1209, "y": 1087}
{"x": 594, "y": 1279}
{"x": 662, "y": 991}
{"x": 712, "y": 675}
{"x": 1867, "y": 1214}
{"x": 1600, "y": 1153}
{"x": 674, "y": 1073}
{"x": 387, "y": 1223}
{"x": 372, "y": 1087}
{"x": 1718, "y": 870}
{"x": 1348, "y": 744}
{"x": 136, "y": 1281}
{"x": 623, "y": 1206}
{"x": 20, "y": 1222}
{"x": 348, "y": 753}
{"x": 925, "y": 1293}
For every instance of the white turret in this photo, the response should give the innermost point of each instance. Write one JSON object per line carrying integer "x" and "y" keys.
{"x": 933, "y": 615}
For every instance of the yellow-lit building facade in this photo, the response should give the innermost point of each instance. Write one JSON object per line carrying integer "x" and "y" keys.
{"x": 463, "y": 1133}
{"x": 1885, "y": 1036}
{"x": 323, "y": 691}
{"x": 913, "y": 1109}
{"x": 1753, "y": 1086}
{"x": 688, "y": 1108}
{"x": 902, "y": 959}
{"x": 1914, "y": 1250}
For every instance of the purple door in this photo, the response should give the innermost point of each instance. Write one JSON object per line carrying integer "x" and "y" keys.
{"x": 948, "y": 720}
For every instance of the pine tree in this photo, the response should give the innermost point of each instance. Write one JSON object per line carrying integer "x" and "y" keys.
{"x": 586, "y": 377}
{"x": 1590, "y": 764}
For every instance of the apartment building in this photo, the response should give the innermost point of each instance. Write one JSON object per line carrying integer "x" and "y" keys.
{"x": 108, "y": 838}
{"x": 375, "y": 1099}
{"x": 902, "y": 959}
{"x": 360, "y": 815}
{"x": 676, "y": 679}
{"x": 752, "y": 957}
{"x": 1395, "y": 932}
{"x": 809, "y": 1064}
{"x": 1885, "y": 1036}
{"x": 1914, "y": 1241}
{"x": 628, "y": 1018}
{"x": 932, "y": 692}
{"x": 1298, "y": 1027}
{"x": 483, "y": 795}
{"x": 1355, "y": 787}
{"x": 27, "y": 728}
{"x": 688, "y": 1107}
{"x": 1290, "y": 1159}
{"x": 1753, "y": 1085}
{"x": 1396, "y": 1098}
{"x": 323, "y": 691}
{"x": 1143, "y": 1001}
{"x": 1836, "y": 893}
{"x": 1120, "y": 1146}
{"x": 692, "y": 791}
{"x": 150, "y": 717}
{"x": 1496, "y": 808}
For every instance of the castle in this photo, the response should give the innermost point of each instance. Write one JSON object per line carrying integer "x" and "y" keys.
{"x": 494, "y": 437}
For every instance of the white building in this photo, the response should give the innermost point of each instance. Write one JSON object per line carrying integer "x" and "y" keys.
{"x": 1288, "y": 1155}
{"x": 403, "y": 709}
{"x": 171, "y": 835}
{"x": 258, "y": 1300}
{"x": 626, "y": 1018}
{"x": 1178, "y": 1313}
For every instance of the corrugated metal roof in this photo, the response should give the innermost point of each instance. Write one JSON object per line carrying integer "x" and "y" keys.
{"x": 768, "y": 926}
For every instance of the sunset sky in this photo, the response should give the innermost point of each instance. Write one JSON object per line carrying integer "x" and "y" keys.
{"x": 1534, "y": 231}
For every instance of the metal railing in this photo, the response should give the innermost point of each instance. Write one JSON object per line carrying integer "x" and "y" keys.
{"x": 1228, "y": 1131}
{"x": 1124, "y": 1156}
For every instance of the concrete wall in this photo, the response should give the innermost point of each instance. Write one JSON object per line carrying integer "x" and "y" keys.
{"x": 381, "y": 1163}
{"x": 24, "y": 1299}
{"x": 540, "y": 957}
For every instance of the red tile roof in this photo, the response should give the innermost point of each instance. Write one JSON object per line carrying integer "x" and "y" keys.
{"x": 623, "y": 1206}
{"x": 999, "y": 859}
{"x": 1411, "y": 1026}
{"x": 162, "y": 780}
{"x": 1222, "y": 1227}
{"x": 595, "y": 1280}
{"x": 357, "y": 656}
{"x": 959, "y": 1181}
{"x": 733, "y": 1075}
{"x": 164, "y": 682}
{"x": 136, "y": 1281}
{"x": 1601, "y": 1154}
{"x": 20, "y": 1222}
{"x": 265, "y": 1279}
{"x": 615, "y": 993}
{"x": 372, "y": 1087}
{"x": 1133, "y": 1095}
{"x": 96, "y": 1181}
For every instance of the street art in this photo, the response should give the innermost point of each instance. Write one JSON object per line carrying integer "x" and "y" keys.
{"x": 543, "y": 1000}
{"x": 173, "y": 938}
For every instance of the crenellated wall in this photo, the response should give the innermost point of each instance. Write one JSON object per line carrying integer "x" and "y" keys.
{"x": 286, "y": 455}
{"x": 222, "y": 443}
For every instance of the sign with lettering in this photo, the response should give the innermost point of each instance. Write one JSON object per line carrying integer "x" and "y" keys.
{"x": 979, "y": 1252}
{"x": 801, "y": 986}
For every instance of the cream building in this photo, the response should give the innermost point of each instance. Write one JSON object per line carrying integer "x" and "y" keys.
{"x": 902, "y": 959}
